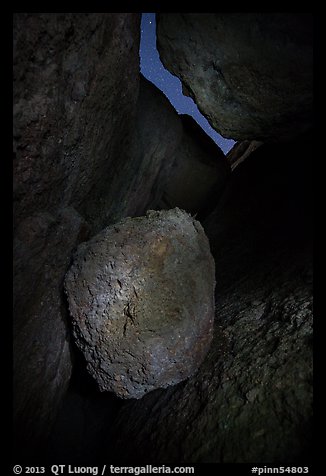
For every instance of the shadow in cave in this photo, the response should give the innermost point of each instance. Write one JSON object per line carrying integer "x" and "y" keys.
{"x": 85, "y": 427}
{"x": 259, "y": 237}
{"x": 275, "y": 224}
{"x": 84, "y": 415}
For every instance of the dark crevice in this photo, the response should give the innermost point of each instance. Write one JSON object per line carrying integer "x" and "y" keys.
{"x": 153, "y": 69}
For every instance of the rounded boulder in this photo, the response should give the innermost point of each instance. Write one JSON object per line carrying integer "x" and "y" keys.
{"x": 141, "y": 297}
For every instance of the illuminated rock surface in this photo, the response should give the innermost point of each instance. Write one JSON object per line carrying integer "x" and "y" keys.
{"x": 141, "y": 295}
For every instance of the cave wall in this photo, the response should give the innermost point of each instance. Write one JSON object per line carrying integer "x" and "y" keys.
{"x": 93, "y": 142}
{"x": 76, "y": 81}
{"x": 240, "y": 151}
{"x": 157, "y": 132}
{"x": 172, "y": 162}
{"x": 199, "y": 171}
{"x": 251, "y": 399}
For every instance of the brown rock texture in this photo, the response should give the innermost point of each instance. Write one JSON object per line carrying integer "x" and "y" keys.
{"x": 76, "y": 81}
{"x": 141, "y": 296}
{"x": 92, "y": 144}
{"x": 157, "y": 132}
{"x": 42, "y": 248}
{"x": 249, "y": 73}
{"x": 251, "y": 399}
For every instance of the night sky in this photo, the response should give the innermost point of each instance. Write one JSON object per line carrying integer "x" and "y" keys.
{"x": 152, "y": 68}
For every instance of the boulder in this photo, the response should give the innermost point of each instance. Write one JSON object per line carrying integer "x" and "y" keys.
{"x": 249, "y": 73}
{"x": 92, "y": 144}
{"x": 251, "y": 399}
{"x": 141, "y": 298}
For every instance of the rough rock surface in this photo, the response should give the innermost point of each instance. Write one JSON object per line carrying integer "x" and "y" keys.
{"x": 76, "y": 85}
{"x": 42, "y": 248}
{"x": 251, "y": 400}
{"x": 141, "y": 295}
{"x": 75, "y": 88}
{"x": 80, "y": 154}
{"x": 155, "y": 139}
{"x": 241, "y": 150}
{"x": 249, "y": 73}
{"x": 172, "y": 162}
{"x": 199, "y": 171}
{"x": 90, "y": 147}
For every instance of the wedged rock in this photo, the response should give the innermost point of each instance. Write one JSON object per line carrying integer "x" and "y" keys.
{"x": 87, "y": 140}
{"x": 251, "y": 399}
{"x": 249, "y": 73}
{"x": 141, "y": 296}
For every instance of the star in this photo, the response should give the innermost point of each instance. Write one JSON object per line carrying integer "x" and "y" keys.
{"x": 153, "y": 70}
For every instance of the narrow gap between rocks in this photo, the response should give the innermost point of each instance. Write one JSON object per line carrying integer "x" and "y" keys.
{"x": 152, "y": 68}
{"x": 124, "y": 151}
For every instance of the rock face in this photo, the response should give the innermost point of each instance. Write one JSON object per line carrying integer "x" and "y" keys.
{"x": 199, "y": 171}
{"x": 157, "y": 132}
{"x": 76, "y": 81}
{"x": 141, "y": 294}
{"x": 249, "y": 73}
{"x": 172, "y": 162}
{"x": 42, "y": 248}
{"x": 92, "y": 144}
{"x": 251, "y": 399}
{"x": 241, "y": 150}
